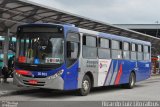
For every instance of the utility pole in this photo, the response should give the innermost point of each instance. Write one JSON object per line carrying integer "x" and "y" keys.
{"x": 157, "y": 22}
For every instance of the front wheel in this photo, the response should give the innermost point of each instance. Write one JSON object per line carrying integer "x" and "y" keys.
{"x": 86, "y": 86}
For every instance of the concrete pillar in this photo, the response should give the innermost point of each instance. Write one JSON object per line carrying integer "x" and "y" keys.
{"x": 6, "y": 47}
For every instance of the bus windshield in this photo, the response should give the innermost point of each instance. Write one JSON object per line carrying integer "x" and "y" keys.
{"x": 40, "y": 48}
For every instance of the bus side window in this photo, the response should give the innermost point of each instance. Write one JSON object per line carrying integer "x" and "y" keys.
{"x": 116, "y": 49}
{"x": 89, "y": 47}
{"x": 104, "y": 48}
{"x": 146, "y": 53}
{"x": 126, "y": 50}
{"x": 133, "y": 52}
{"x": 140, "y": 52}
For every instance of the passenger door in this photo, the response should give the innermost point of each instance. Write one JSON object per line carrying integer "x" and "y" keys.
{"x": 72, "y": 64}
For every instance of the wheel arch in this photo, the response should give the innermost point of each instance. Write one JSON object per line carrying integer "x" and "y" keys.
{"x": 133, "y": 71}
{"x": 90, "y": 75}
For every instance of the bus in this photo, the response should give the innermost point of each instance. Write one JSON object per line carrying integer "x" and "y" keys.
{"x": 65, "y": 57}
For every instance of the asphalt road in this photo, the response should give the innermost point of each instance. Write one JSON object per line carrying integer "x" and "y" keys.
{"x": 148, "y": 90}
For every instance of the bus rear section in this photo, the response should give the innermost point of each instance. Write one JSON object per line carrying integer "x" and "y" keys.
{"x": 112, "y": 60}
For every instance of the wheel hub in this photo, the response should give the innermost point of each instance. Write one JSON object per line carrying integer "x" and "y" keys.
{"x": 85, "y": 85}
{"x": 132, "y": 81}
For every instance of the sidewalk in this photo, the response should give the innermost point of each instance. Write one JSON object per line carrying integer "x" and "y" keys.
{"x": 157, "y": 74}
{"x": 7, "y": 88}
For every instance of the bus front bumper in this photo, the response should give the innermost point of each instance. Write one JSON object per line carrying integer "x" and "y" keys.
{"x": 57, "y": 83}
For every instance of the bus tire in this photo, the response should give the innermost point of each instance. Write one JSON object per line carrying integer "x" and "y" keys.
{"x": 132, "y": 81}
{"x": 86, "y": 86}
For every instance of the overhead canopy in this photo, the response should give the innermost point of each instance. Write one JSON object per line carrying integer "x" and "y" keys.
{"x": 139, "y": 26}
{"x": 16, "y": 12}
{"x": 150, "y": 29}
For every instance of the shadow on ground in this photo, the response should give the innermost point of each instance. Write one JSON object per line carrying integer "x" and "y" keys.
{"x": 48, "y": 93}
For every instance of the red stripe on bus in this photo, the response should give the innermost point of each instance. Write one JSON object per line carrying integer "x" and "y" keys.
{"x": 119, "y": 75}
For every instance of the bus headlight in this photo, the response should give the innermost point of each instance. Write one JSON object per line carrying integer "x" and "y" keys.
{"x": 59, "y": 73}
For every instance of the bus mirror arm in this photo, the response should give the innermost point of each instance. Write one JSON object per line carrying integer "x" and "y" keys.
{"x": 70, "y": 47}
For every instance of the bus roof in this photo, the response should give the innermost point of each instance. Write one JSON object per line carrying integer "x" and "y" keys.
{"x": 91, "y": 32}
{"x": 109, "y": 36}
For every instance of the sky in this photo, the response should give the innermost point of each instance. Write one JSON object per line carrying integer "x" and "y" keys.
{"x": 111, "y": 11}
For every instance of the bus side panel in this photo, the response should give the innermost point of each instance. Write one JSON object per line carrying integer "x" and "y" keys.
{"x": 127, "y": 67}
{"x": 143, "y": 70}
{"x": 148, "y": 69}
{"x": 115, "y": 73}
{"x": 113, "y": 70}
{"x": 91, "y": 66}
{"x": 71, "y": 77}
{"x": 119, "y": 72}
{"x": 140, "y": 70}
{"x": 103, "y": 69}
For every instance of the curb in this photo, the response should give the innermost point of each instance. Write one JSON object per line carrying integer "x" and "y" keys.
{"x": 155, "y": 74}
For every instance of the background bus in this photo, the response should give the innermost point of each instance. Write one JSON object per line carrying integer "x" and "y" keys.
{"x": 67, "y": 58}
{"x": 12, "y": 48}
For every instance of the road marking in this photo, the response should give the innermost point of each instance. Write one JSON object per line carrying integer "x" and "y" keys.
{"x": 3, "y": 93}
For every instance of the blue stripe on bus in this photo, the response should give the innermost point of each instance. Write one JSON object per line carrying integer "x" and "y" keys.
{"x": 71, "y": 77}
